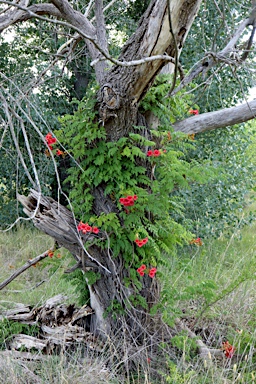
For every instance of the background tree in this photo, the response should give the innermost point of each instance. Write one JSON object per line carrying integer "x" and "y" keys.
{"x": 114, "y": 151}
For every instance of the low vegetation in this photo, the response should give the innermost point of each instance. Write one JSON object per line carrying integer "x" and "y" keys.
{"x": 214, "y": 293}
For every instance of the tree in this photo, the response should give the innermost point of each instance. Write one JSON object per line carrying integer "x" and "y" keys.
{"x": 112, "y": 128}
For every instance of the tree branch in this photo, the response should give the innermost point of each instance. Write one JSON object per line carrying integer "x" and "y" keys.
{"x": 217, "y": 119}
{"x": 23, "y": 14}
{"x": 212, "y": 58}
{"x": 101, "y": 37}
{"x": 59, "y": 223}
{"x": 24, "y": 267}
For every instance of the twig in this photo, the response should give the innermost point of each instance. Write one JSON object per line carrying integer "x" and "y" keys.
{"x": 22, "y": 269}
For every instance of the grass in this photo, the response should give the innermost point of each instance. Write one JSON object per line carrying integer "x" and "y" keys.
{"x": 222, "y": 309}
{"x": 38, "y": 284}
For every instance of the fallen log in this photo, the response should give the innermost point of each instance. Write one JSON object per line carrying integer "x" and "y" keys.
{"x": 60, "y": 325}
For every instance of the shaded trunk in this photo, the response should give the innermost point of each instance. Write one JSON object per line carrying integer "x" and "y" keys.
{"x": 59, "y": 223}
{"x": 124, "y": 87}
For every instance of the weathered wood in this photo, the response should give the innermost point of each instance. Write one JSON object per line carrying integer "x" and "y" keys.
{"x": 61, "y": 325}
{"x": 217, "y": 119}
{"x": 29, "y": 342}
{"x": 24, "y": 356}
{"x": 58, "y": 222}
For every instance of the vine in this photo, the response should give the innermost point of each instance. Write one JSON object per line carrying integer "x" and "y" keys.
{"x": 138, "y": 175}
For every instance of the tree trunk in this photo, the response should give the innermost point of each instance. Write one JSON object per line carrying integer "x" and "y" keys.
{"x": 122, "y": 88}
{"x": 59, "y": 223}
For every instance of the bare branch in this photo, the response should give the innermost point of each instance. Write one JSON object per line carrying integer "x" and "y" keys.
{"x": 24, "y": 267}
{"x": 9, "y": 119}
{"x": 23, "y": 14}
{"x": 212, "y": 58}
{"x": 217, "y": 119}
{"x": 101, "y": 36}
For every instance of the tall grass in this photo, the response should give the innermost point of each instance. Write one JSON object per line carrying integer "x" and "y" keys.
{"x": 39, "y": 283}
{"x": 226, "y": 312}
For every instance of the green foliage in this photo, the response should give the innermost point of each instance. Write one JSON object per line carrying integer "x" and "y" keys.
{"x": 78, "y": 280}
{"x": 211, "y": 33}
{"x": 167, "y": 109}
{"x": 177, "y": 376}
{"x": 185, "y": 344}
{"x": 215, "y": 208}
{"x": 123, "y": 168}
{"x": 9, "y": 328}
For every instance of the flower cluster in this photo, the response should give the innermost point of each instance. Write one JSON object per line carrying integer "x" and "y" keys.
{"x": 155, "y": 153}
{"x": 141, "y": 242}
{"x": 228, "y": 349}
{"x": 193, "y": 112}
{"x": 143, "y": 269}
{"x": 128, "y": 201}
{"x": 50, "y": 140}
{"x": 197, "y": 241}
{"x": 85, "y": 228}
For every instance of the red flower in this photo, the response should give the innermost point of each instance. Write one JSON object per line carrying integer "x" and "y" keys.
{"x": 50, "y": 254}
{"x": 95, "y": 230}
{"x": 156, "y": 153}
{"x": 228, "y": 349}
{"x": 193, "y": 112}
{"x": 141, "y": 242}
{"x": 50, "y": 140}
{"x": 59, "y": 152}
{"x": 85, "y": 227}
{"x": 152, "y": 272}
{"x": 197, "y": 241}
{"x": 128, "y": 201}
{"x": 141, "y": 269}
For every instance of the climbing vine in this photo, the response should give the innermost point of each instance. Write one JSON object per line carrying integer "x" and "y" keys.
{"x": 138, "y": 173}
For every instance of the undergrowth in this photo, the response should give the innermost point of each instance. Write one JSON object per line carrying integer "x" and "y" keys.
{"x": 221, "y": 310}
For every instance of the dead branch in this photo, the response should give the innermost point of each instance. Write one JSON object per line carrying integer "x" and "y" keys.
{"x": 217, "y": 119}
{"x": 59, "y": 223}
{"x": 214, "y": 58}
{"x": 205, "y": 352}
{"x": 22, "y": 269}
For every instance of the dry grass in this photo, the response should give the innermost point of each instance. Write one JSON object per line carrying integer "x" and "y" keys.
{"x": 230, "y": 315}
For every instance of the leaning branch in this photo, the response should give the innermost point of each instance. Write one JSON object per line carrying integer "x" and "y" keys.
{"x": 217, "y": 119}
{"x": 24, "y": 267}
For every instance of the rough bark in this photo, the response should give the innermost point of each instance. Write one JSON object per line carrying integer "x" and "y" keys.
{"x": 125, "y": 86}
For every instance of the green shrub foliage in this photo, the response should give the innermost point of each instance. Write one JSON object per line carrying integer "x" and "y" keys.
{"x": 148, "y": 165}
